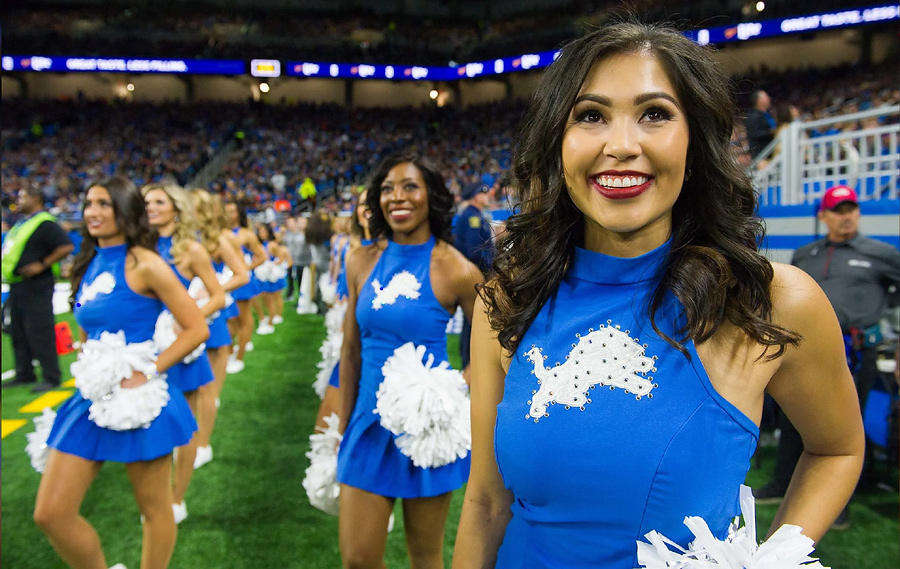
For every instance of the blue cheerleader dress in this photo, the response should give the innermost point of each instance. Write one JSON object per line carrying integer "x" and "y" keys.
{"x": 218, "y": 328}
{"x": 343, "y": 292}
{"x": 192, "y": 376}
{"x": 389, "y": 317}
{"x": 606, "y": 432}
{"x": 250, "y": 289}
{"x": 111, "y": 309}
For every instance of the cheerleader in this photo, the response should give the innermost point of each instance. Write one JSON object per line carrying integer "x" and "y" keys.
{"x": 232, "y": 272}
{"x": 340, "y": 244}
{"x": 285, "y": 265}
{"x": 318, "y": 236}
{"x": 269, "y": 279}
{"x": 254, "y": 255}
{"x": 359, "y": 237}
{"x": 120, "y": 285}
{"x": 170, "y": 212}
{"x": 393, "y": 300}
{"x": 622, "y": 350}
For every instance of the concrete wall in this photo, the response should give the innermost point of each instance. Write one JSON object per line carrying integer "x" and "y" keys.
{"x": 826, "y": 49}
{"x": 156, "y": 88}
{"x": 9, "y": 87}
{"x": 222, "y": 88}
{"x": 307, "y": 90}
{"x": 481, "y": 92}
{"x": 55, "y": 85}
{"x": 372, "y": 93}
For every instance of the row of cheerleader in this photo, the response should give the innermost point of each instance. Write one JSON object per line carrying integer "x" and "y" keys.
{"x": 164, "y": 285}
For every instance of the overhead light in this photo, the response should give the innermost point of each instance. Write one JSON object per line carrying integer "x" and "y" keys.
{"x": 130, "y": 86}
{"x": 434, "y": 94}
{"x": 264, "y": 87}
{"x": 760, "y": 6}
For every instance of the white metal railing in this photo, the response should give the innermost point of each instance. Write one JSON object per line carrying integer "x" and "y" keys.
{"x": 800, "y": 164}
{"x": 211, "y": 169}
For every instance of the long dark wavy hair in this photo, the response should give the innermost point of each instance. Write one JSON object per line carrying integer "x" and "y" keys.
{"x": 714, "y": 267}
{"x": 131, "y": 219}
{"x": 440, "y": 200}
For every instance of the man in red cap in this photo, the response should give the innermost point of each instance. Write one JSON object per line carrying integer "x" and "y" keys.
{"x": 856, "y": 273}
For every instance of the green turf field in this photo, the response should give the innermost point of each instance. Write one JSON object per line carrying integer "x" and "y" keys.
{"x": 247, "y": 507}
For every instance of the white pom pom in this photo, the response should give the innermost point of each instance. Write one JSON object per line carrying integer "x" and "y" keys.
{"x": 328, "y": 289}
{"x": 197, "y": 291}
{"x": 99, "y": 370}
{"x": 164, "y": 336}
{"x": 426, "y": 407}
{"x": 320, "y": 480}
{"x": 103, "y": 363}
{"x": 334, "y": 318}
{"x": 37, "y": 447}
{"x": 266, "y": 272}
{"x": 787, "y": 548}
{"x": 223, "y": 277}
{"x": 331, "y": 355}
{"x": 131, "y": 408}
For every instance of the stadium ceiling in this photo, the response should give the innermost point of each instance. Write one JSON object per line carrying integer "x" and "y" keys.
{"x": 467, "y": 9}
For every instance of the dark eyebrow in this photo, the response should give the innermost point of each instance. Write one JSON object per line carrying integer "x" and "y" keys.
{"x": 638, "y": 100}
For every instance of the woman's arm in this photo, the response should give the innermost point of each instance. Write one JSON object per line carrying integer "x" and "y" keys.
{"x": 351, "y": 349}
{"x": 485, "y": 511}
{"x": 256, "y": 249}
{"x": 201, "y": 266}
{"x": 467, "y": 278}
{"x": 158, "y": 279}
{"x": 231, "y": 256}
{"x": 285, "y": 255}
{"x": 814, "y": 388}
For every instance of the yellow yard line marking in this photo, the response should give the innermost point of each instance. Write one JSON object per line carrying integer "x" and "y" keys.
{"x": 49, "y": 399}
{"x": 11, "y": 425}
{"x": 70, "y": 383}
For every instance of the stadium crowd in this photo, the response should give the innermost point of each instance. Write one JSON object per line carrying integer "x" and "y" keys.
{"x": 64, "y": 145}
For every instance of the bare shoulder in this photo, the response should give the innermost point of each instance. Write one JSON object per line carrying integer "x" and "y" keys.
{"x": 796, "y": 297}
{"x": 451, "y": 261}
{"x": 196, "y": 250}
{"x": 362, "y": 258}
{"x": 146, "y": 260}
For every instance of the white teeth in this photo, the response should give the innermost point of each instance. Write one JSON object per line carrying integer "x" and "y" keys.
{"x": 621, "y": 181}
{"x": 400, "y": 212}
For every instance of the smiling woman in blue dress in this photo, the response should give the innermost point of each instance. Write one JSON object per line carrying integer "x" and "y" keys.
{"x": 621, "y": 353}
{"x": 424, "y": 280}
{"x": 120, "y": 286}
{"x": 170, "y": 212}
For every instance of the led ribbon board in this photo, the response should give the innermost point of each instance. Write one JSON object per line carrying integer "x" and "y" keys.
{"x": 123, "y": 65}
{"x": 538, "y": 60}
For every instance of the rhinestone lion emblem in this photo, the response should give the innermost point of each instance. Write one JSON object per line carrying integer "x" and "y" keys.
{"x": 604, "y": 357}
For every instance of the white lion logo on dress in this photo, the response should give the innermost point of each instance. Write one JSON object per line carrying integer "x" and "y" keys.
{"x": 606, "y": 356}
{"x": 402, "y": 284}
{"x": 103, "y": 284}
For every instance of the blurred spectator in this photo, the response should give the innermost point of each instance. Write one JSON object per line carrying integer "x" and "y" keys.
{"x": 759, "y": 123}
{"x": 31, "y": 249}
{"x": 472, "y": 236}
{"x": 856, "y": 273}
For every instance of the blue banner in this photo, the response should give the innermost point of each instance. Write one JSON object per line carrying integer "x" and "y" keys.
{"x": 123, "y": 65}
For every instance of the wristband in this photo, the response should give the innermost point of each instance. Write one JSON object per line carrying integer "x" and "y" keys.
{"x": 151, "y": 372}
